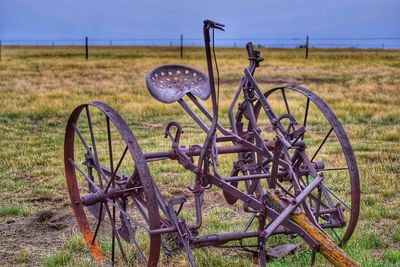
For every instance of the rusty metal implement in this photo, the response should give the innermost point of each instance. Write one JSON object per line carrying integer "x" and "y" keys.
{"x": 294, "y": 171}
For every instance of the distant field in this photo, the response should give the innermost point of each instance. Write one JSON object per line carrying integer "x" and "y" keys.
{"x": 40, "y": 86}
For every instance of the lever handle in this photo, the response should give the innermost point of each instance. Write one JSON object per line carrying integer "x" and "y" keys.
{"x": 250, "y": 49}
{"x": 212, "y": 24}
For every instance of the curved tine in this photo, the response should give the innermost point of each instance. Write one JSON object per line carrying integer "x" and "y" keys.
{"x": 84, "y": 174}
{"x": 96, "y": 159}
{"x": 130, "y": 217}
{"x": 115, "y": 231}
{"x": 139, "y": 206}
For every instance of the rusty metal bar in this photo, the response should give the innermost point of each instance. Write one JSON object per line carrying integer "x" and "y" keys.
{"x": 292, "y": 206}
{"x": 192, "y": 114}
{"x": 194, "y": 151}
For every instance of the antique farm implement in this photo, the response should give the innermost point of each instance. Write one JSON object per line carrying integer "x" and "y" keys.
{"x": 294, "y": 172}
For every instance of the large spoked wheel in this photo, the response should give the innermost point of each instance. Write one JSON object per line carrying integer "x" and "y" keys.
{"x": 336, "y": 204}
{"x": 111, "y": 190}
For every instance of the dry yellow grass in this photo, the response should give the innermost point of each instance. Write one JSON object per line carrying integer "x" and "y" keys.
{"x": 39, "y": 87}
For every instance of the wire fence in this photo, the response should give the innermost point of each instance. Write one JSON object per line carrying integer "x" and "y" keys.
{"x": 298, "y": 42}
{"x": 371, "y": 42}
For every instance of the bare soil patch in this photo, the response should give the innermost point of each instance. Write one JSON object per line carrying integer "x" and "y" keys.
{"x": 39, "y": 234}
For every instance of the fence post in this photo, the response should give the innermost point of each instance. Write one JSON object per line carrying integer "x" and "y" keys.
{"x": 86, "y": 48}
{"x": 0, "y": 50}
{"x": 181, "y": 45}
{"x": 307, "y": 47}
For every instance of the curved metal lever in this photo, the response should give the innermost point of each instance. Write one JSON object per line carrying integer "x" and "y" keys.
{"x": 175, "y": 139}
{"x": 212, "y": 24}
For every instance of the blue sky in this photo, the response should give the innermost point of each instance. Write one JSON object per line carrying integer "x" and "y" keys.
{"x": 55, "y": 19}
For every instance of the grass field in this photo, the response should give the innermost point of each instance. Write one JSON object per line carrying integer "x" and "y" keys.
{"x": 40, "y": 86}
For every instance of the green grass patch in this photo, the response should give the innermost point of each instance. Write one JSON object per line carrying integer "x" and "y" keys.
{"x": 13, "y": 210}
{"x": 393, "y": 256}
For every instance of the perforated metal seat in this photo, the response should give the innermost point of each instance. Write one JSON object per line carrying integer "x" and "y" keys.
{"x": 169, "y": 83}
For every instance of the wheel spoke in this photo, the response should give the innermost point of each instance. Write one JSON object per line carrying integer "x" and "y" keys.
{"x": 127, "y": 218}
{"x": 305, "y": 117}
{"x": 113, "y": 234}
{"x": 337, "y": 235}
{"x": 249, "y": 222}
{"x": 320, "y": 146}
{"x": 115, "y": 231}
{"x": 318, "y": 202}
{"x": 112, "y": 179}
{"x": 284, "y": 190}
{"x": 131, "y": 223}
{"x": 110, "y": 150}
{"x": 81, "y": 138}
{"x": 324, "y": 200}
{"x": 130, "y": 217}
{"x": 96, "y": 159}
{"x": 287, "y": 108}
{"x": 333, "y": 169}
{"x": 285, "y": 99}
{"x": 326, "y": 195}
{"x": 139, "y": 250}
{"x": 98, "y": 224}
{"x": 337, "y": 197}
{"x": 83, "y": 174}
{"x": 86, "y": 146}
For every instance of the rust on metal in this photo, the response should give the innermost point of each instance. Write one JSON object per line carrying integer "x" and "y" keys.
{"x": 281, "y": 183}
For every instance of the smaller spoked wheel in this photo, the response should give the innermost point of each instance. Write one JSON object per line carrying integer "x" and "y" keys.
{"x": 336, "y": 203}
{"x": 111, "y": 190}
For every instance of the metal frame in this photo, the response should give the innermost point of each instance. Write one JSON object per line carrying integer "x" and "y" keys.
{"x": 253, "y": 152}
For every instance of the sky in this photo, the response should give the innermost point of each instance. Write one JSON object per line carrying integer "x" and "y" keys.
{"x": 117, "y": 19}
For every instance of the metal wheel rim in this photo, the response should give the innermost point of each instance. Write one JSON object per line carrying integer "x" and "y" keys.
{"x": 145, "y": 178}
{"x": 345, "y": 145}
